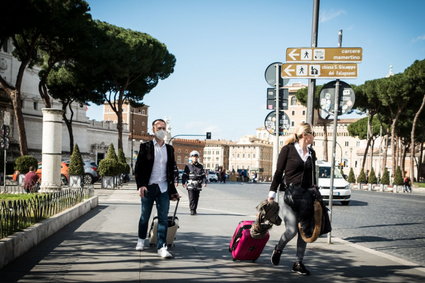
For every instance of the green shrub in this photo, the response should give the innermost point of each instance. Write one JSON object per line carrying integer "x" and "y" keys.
{"x": 111, "y": 153}
{"x": 23, "y": 163}
{"x": 385, "y": 177}
{"x": 398, "y": 178}
{"x": 372, "y": 177}
{"x": 76, "y": 165}
{"x": 351, "y": 176}
{"x": 362, "y": 177}
{"x": 108, "y": 167}
{"x": 125, "y": 168}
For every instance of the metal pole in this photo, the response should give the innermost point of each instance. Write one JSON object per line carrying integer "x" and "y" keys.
{"x": 131, "y": 155}
{"x": 4, "y": 170}
{"x": 336, "y": 106}
{"x": 312, "y": 82}
{"x": 276, "y": 142}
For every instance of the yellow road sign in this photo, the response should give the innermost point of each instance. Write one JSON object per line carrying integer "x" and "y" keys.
{"x": 328, "y": 54}
{"x": 319, "y": 70}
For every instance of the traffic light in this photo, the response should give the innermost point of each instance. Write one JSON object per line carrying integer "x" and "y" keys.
{"x": 208, "y": 136}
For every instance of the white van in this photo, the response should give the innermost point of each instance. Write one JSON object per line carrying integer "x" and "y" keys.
{"x": 342, "y": 190}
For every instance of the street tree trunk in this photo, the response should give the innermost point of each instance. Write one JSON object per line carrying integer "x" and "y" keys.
{"x": 365, "y": 153}
{"x": 393, "y": 142}
{"x": 119, "y": 124}
{"x": 42, "y": 89}
{"x": 403, "y": 159}
{"x": 412, "y": 141}
{"x": 68, "y": 123}
{"x": 385, "y": 155}
{"x": 15, "y": 96}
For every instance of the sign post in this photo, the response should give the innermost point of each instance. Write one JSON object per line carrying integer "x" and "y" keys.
{"x": 326, "y": 54}
{"x": 319, "y": 70}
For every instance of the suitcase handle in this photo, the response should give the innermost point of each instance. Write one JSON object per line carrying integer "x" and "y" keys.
{"x": 175, "y": 210}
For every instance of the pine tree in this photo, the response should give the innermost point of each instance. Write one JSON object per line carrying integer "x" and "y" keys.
{"x": 351, "y": 176}
{"x": 398, "y": 178}
{"x": 372, "y": 177}
{"x": 76, "y": 165}
{"x": 385, "y": 177}
{"x": 362, "y": 177}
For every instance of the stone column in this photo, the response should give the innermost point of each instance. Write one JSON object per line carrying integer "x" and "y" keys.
{"x": 52, "y": 149}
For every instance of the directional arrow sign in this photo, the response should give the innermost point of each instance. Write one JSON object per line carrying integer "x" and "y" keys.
{"x": 319, "y": 70}
{"x": 328, "y": 54}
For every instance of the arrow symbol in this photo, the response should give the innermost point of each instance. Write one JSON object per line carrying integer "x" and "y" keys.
{"x": 288, "y": 71}
{"x": 292, "y": 54}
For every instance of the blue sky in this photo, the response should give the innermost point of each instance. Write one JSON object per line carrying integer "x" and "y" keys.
{"x": 223, "y": 47}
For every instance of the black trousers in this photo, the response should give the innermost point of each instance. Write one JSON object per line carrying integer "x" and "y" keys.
{"x": 193, "y": 199}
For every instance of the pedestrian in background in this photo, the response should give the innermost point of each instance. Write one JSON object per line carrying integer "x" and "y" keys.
{"x": 156, "y": 177}
{"x": 193, "y": 179}
{"x": 31, "y": 181}
{"x": 296, "y": 162}
{"x": 407, "y": 185}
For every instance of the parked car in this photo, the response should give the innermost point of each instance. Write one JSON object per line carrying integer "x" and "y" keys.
{"x": 64, "y": 172}
{"x": 212, "y": 176}
{"x": 90, "y": 172}
{"x": 342, "y": 189}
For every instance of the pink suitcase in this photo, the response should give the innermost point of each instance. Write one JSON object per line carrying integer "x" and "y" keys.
{"x": 243, "y": 246}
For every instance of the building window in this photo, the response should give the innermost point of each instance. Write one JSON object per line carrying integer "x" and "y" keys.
{"x": 347, "y": 143}
{"x": 292, "y": 123}
{"x": 293, "y": 113}
{"x": 293, "y": 100}
{"x": 35, "y": 105}
{"x": 303, "y": 112}
{"x": 143, "y": 112}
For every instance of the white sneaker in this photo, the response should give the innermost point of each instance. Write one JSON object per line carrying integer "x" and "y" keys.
{"x": 164, "y": 253}
{"x": 140, "y": 245}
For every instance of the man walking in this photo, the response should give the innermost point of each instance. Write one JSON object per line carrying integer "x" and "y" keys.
{"x": 156, "y": 177}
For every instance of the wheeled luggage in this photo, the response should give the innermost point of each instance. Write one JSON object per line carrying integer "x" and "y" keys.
{"x": 243, "y": 246}
{"x": 173, "y": 225}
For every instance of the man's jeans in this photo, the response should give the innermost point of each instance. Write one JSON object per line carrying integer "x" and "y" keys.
{"x": 162, "y": 201}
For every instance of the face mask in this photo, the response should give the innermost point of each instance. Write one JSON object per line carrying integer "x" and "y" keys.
{"x": 190, "y": 160}
{"x": 160, "y": 134}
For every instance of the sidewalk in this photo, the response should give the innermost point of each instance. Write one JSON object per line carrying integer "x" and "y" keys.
{"x": 100, "y": 247}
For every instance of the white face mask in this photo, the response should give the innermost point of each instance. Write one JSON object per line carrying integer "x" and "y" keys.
{"x": 160, "y": 134}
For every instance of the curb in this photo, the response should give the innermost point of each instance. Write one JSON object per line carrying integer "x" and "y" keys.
{"x": 19, "y": 243}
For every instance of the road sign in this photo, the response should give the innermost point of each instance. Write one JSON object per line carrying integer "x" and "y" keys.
{"x": 319, "y": 70}
{"x": 327, "y": 54}
{"x": 327, "y": 99}
{"x": 270, "y": 75}
{"x": 270, "y": 123}
{"x": 271, "y": 99}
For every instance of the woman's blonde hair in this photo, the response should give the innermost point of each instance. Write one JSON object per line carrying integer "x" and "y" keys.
{"x": 302, "y": 128}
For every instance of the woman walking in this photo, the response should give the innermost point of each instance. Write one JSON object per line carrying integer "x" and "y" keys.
{"x": 295, "y": 167}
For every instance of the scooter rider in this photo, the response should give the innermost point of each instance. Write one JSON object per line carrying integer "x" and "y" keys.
{"x": 193, "y": 179}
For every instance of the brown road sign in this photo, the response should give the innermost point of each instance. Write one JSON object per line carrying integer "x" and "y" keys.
{"x": 319, "y": 70}
{"x": 327, "y": 54}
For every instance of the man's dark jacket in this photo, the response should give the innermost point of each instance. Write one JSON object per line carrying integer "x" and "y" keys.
{"x": 144, "y": 165}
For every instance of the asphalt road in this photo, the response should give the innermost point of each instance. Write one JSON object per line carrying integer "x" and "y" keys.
{"x": 386, "y": 222}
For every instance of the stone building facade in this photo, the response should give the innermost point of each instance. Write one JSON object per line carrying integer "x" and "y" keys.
{"x": 93, "y": 137}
